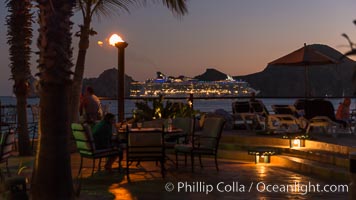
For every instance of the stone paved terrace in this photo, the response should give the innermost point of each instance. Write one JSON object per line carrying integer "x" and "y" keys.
{"x": 146, "y": 181}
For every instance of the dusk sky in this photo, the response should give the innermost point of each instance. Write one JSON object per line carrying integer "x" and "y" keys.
{"x": 236, "y": 37}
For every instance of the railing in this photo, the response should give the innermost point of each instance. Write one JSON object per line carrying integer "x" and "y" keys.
{"x": 213, "y": 103}
{"x": 204, "y": 104}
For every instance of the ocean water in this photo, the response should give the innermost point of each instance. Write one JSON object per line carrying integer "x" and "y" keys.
{"x": 203, "y": 105}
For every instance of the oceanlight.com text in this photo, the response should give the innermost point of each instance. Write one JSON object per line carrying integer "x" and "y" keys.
{"x": 301, "y": 188}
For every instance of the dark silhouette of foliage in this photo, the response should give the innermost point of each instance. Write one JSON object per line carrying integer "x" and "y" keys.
{"x": 157, "y": 108}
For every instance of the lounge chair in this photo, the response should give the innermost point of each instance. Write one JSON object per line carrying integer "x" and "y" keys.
{"x": 275, "y": 122}
{"x": 203, "y": 143}
{"x": 299, "y": 106}
{"x": 291, "y": 111}
{"x": 284, "y": 109}
{"x": 321, "y": 113}
{"x": 259, "y": 108}
{"x": 243, "y": 115}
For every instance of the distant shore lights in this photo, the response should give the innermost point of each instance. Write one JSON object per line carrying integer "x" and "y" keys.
{"x": 120, "y": 44}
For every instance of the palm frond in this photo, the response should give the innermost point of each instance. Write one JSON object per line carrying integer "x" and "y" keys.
{"x": 348, "y": 40}
{"x": 178, "y": 7}
{"x": 352, "y": 52}
{"x": 107, "y": 8}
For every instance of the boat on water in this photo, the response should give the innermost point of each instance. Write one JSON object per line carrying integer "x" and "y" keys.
{"x": 182, "y": 86}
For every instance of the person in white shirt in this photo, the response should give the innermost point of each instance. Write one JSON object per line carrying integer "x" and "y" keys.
{"x": 90, "y": 107}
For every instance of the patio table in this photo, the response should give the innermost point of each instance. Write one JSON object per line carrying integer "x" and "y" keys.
{"x": 174, "y": 134}
{"x": 171, "y": 137}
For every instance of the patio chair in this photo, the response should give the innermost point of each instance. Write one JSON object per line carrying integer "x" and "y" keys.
{"x": 145, "y": 146}
{"x": 187, "y": 125}
{"x": 86, "y": 146}
{"x": 204, "y": 143}
{"x": 321, "y": 113}
{"x": 7, "y": 141}
{"x": 243, "y": 115}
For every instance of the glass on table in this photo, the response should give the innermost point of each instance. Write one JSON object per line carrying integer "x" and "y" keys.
{"x": 139, "y": 125}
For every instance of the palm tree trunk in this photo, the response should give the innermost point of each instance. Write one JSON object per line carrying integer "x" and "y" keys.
{"x": 19, "y": 39}
{"x": 24, "y": 139}
{"x": 79, "y": 70}
{"x": 52, "y": 177}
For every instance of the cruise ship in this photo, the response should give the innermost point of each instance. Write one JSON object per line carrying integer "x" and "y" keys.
{"x": 183, "y": 86}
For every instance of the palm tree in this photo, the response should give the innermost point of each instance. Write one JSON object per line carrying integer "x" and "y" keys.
{"x": 52, "y": 177}
{"x": 350, "y": 53}
{"x": 89, "y": 8}
{"x": 19, "y": 39}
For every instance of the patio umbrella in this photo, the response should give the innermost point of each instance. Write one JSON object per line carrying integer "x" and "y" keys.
{"x": 305, "y": 56}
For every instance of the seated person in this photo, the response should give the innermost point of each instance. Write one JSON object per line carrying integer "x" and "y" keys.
{"x": 343, "y": 112}
{"x": 102, "y": 134}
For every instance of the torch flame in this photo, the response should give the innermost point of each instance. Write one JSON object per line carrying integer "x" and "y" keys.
{"x": 115, "y": 39}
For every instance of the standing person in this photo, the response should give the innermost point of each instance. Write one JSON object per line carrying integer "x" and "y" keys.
{"x": 102, "y": 134}
{"x": 343, "y": 111}
{"x": 90, "y": 106}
